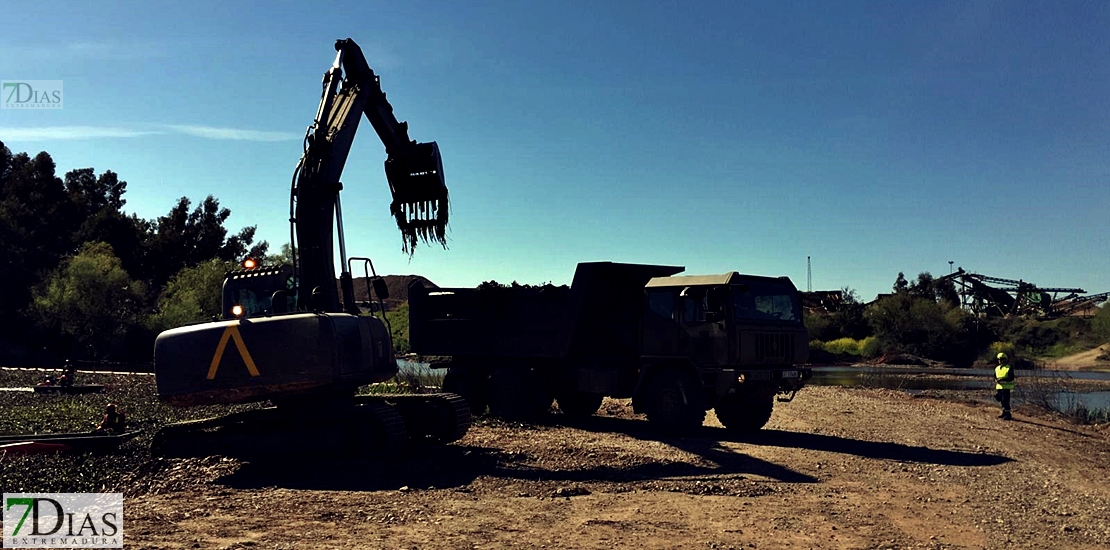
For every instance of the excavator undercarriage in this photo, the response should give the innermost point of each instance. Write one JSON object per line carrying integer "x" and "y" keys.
{"x": 377, "y": 426}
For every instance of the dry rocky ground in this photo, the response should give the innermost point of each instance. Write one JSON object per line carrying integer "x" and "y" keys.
{"x": 836, "y": 468}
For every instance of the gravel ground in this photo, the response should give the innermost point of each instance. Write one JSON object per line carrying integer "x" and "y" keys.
{"x": 835, "y": 468}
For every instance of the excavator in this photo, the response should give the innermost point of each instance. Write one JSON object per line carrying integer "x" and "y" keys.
{"x": 289, "y": 334}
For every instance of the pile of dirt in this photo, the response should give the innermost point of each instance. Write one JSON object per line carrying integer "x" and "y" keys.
{"x": 398, "y": 286}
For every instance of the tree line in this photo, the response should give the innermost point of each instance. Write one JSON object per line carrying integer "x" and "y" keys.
{"x": 83, "y": 279}
{"x": 923, "y": 318}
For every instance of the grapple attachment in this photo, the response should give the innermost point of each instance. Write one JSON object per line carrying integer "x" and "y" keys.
{"x": 419, "y": 195}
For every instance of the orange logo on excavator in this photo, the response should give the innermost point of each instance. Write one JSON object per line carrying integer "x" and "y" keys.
{"x": 232, "y": 333}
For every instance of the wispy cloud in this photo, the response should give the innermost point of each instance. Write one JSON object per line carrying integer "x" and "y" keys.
{"x": 85, "y": 51}
{"x": 212, "y": 132}
{"x": 54, "y": 133}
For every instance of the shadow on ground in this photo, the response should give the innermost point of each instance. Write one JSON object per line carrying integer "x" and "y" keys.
{"x": 458, "y": 465}
{"x": 706, "y": 443}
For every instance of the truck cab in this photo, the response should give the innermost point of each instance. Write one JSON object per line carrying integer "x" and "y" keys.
{"x": 724, "y": 320}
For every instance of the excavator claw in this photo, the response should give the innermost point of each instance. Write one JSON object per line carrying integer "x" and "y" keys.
{"x": 419, "y": 196}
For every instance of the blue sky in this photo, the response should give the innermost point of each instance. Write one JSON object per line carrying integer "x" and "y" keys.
{"x": 871, "y": 137}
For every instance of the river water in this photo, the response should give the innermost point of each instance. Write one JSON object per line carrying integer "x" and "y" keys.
{"x": 918, "y": 379}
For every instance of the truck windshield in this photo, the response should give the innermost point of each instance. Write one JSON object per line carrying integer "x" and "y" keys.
{"x": 765, "y": 301}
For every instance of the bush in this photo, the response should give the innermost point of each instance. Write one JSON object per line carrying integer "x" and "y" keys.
{"x": 843, "y": 348}
{"x": 398, "y": 323}
{"x": 905, "y": 323}
{"x": 870, "y": 347}
{"x": 1054, "y": 338}
{"x": 1100, "y": 324}
{"x": 848, "y": 322}
{"x": 818, "y": 325}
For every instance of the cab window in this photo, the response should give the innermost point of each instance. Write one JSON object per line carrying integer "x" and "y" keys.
{"x": 661, "y": 303}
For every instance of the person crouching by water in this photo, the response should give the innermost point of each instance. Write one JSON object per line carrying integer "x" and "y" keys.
{"x": 113, "y": 422}
{"x": 69, "y": 374}
{"x": 1004, "y": 384}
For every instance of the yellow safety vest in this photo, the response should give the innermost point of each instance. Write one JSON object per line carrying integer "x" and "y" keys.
{"x": 1004, "y": 376}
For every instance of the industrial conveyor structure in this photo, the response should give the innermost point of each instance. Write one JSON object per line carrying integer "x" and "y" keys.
{"x": 995, "y": 296}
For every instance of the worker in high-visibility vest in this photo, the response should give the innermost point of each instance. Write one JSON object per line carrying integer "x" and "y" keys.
{"x": 1004, "y": 384}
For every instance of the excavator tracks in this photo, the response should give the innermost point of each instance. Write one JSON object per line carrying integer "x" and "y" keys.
{"x": 366, "y": 426}
{"x": 439, "y": 418}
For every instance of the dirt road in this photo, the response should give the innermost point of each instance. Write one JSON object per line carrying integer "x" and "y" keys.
{"x": 837, "y": 468}
{"x": 1082, "y": 360}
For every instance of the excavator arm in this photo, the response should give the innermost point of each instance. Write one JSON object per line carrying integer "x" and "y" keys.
{"x": 414, "y": 171}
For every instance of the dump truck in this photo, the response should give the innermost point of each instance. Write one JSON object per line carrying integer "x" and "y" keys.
{"x": 676, "y": 345}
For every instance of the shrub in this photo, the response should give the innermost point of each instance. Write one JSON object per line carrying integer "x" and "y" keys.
{"x": 905, "y": 323}
{"x": 1100, "y": 324}
{"x": 870, "y": 347}
{"x": 843, "y": 346}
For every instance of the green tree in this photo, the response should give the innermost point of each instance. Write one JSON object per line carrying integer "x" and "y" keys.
{"x": 91, "y": 302}
{"x": 98, "y": 203}
{"x": 900, "y": 284}
{"x": 285, "y": 257}
{"x": 937, "y": 290}
{"x": 184, "y": 238}
{"x": 194, "y": 294}
{"x": 34, "y": 230}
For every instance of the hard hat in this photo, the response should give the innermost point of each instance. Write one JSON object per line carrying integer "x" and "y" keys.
{"x": 1001, "y": 356}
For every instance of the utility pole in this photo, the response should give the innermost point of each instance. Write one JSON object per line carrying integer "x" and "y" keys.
{"x": 950, "y": 262}
{"x": 809, "y": 275}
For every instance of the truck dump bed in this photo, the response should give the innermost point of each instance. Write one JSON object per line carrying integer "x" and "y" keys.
{"x": 598, "y": 314}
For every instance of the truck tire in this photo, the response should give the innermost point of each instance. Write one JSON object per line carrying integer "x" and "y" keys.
{"x": 577, "y": 405}
{"x": 673, "y": 402}
{"x": 516, "y": 394}
{"x": 462, "y": 382}
{"x": 745, "y": 413}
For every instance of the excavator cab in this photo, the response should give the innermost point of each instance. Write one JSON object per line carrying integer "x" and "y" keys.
{"x": 259, "y": 291}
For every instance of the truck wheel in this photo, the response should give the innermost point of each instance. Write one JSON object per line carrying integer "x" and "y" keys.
{"x": 745, "y": 413}
{"x": 673, "y": 402}
{"x": 464, "y": 383}
{"x": 577, "y": 405}
{"x": 515, "y": 394}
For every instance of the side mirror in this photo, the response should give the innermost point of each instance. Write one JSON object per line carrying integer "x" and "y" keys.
{"x": 380, "y": 288}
